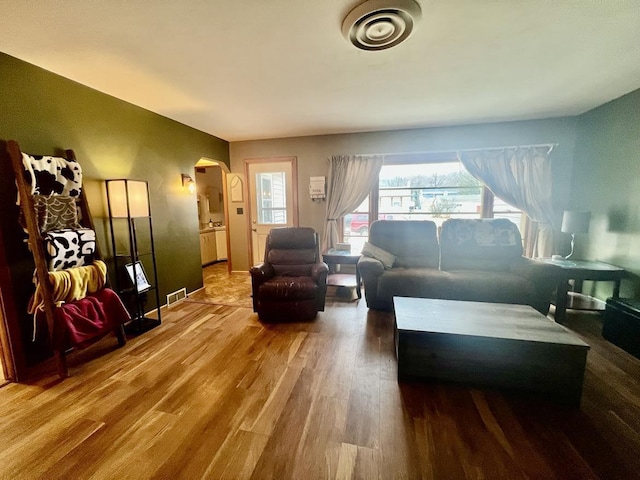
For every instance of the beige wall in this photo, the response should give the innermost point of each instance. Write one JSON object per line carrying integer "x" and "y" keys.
{"x": 312, "y": 154}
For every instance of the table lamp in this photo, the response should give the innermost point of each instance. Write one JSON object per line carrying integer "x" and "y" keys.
{"x": 573, "y": 222}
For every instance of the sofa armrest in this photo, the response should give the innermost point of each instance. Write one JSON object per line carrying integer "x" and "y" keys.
{"x": 543, "y": 275}
{"x": 370, "y": 267}
{"x": 370, "y": 271}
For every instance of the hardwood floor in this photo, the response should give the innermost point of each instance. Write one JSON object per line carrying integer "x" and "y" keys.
{"x": 213, "y": 393}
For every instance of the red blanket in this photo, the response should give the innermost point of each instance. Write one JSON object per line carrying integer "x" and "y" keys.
{"x": 81, "y": 322}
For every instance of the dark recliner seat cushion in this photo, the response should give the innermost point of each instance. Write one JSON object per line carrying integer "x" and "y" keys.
{"x": 289, "y": 288}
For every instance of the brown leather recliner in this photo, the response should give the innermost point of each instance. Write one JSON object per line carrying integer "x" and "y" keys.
{"x": 291, "y": 283}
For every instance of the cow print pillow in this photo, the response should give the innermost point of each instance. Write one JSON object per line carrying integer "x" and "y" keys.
{"x": 53, "y": 175}
{"x": 70, "y": 248}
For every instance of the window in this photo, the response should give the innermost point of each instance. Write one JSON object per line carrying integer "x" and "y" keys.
{"x": 271, "y": 198}
{"x": 355, "y": 226}
{"x": 426, "y": 191}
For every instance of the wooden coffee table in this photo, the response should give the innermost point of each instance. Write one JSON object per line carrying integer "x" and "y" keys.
{"x": 488, "y": 344}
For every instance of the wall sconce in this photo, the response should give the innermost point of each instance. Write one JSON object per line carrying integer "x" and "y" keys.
{"x": 188, "y": 182}
{"x": 575, "y": 222}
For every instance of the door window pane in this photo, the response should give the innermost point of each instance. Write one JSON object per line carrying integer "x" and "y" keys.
{"x": 271, "y": 198}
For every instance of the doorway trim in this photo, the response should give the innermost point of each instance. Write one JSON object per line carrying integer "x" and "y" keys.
{"x": 209, "y": 162}
{"x": 294, "y": 187}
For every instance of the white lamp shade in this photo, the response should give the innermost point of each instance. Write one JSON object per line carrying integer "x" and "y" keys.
{"x": 135, "y": 191}
{"x": 575, "y": 221}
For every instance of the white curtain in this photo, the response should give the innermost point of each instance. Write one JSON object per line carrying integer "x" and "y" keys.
{"x": 350, "y": 181}
{"x": 520, "y": 176}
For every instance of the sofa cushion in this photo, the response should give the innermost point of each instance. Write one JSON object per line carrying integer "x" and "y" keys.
{"x": 370, "y": 250}
{"x": 421, "y": 282}
{"x": 490, "y": 286}
{"x": 413, "y": 243}
{"x": 479, "y": 244}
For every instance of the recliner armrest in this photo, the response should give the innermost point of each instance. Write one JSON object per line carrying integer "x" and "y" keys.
{"x": 261, "y": 272}
{"x": 318, "y": 270}
{"x": 370, "y": 267}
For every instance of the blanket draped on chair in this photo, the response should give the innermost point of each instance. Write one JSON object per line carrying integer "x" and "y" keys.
{"x": 82, "y": 322}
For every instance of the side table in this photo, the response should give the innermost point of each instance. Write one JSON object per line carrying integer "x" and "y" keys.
{"x": 578, "y": 271}
{"x": 333, "y": 257}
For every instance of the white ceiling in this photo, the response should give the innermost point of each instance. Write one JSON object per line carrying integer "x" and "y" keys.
{"x": 253, "y": 69}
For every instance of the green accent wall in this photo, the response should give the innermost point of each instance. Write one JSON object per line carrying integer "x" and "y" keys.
{"x": 606, "y": 181}
{"x": 46, "y": 113}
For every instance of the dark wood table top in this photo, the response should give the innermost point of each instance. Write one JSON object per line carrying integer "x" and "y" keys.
{"x": 583, "y": 265}
{"x": 340, "y": 256}
{"x": 480, "y": 319}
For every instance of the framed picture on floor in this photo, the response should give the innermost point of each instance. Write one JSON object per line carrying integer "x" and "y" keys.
{"x": 137, "y": 276}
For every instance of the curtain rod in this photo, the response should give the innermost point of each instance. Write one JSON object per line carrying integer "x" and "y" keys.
{"x": 456, "y": 150}
{"x": 550, "y": 145}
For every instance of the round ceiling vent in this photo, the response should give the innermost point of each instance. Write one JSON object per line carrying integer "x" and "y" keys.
{"x": 380, "y": 24}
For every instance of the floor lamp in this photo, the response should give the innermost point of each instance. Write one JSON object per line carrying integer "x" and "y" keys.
{"x": 575, "y": 222}
{"x": 133, "y": 247}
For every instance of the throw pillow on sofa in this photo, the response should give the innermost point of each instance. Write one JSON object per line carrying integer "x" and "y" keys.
{"x": 387, "y": 259}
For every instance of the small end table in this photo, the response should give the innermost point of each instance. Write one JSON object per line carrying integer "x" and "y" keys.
{"x": 578, "y": 271}
{"x": 333, "y": 257}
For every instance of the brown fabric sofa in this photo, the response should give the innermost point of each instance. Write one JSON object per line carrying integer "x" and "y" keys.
{"x": 475, "y": 260}
{"x": 291, "y": 283}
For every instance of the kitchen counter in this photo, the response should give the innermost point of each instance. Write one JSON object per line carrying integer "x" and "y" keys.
{"x": 221, "y": 228}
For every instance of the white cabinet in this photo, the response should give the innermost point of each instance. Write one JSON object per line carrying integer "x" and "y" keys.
{"x": 221, "y": 244}
{"x": 208, "y": 251}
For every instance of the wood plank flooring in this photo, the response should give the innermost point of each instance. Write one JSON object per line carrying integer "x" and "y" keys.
{"x": 213, "y": 393}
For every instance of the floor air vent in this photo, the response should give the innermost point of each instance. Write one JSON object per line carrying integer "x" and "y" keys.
{"x": 176, "y": 296}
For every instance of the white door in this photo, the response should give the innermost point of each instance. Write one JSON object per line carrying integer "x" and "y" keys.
{"x": 273, "y": 199}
